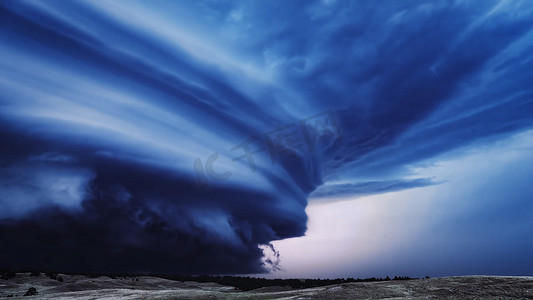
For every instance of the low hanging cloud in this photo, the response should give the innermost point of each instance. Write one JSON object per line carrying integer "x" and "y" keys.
{"x": 124, "y": 127}
{"x": 26, "y": 188}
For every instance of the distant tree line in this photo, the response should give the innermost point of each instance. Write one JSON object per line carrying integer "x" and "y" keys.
{"x": 252, "y": 283}
{"x": 240, "y": 282}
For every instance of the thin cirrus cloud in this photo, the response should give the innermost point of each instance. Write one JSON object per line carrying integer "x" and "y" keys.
{"x": 129, "y": 101}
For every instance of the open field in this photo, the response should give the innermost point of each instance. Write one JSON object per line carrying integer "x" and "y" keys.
{"x": 145, "y": 287}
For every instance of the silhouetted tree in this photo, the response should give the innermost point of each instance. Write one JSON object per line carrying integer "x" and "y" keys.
{"x": 31, "y": 292}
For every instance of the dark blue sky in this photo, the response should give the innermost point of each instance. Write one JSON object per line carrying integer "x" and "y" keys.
{"x": 185, "y": 137}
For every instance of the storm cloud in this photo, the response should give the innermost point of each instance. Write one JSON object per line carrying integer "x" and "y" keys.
{"x": 185, "y": 137}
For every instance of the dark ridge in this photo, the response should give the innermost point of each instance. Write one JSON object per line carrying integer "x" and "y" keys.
{"x": 243, "y": 283}
{"x": 252, "y": 283}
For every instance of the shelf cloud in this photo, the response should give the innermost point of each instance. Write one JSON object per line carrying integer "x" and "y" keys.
{"x": 169, "y": 137}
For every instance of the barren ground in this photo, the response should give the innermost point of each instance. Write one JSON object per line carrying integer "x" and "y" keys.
{"x": 80, "y": 287}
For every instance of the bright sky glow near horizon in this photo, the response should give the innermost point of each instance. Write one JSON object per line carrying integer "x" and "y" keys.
{"x": 280, "y": 138}
{"x": 444, "y": 230}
